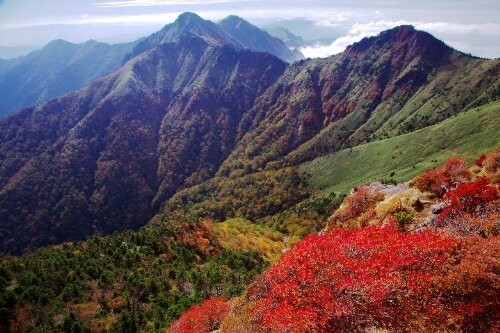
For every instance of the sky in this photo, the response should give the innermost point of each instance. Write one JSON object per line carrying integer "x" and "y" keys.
{"x": 331, "y": 25}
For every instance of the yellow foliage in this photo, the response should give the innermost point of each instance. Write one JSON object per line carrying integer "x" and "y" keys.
{"x": 403, "y": 201}
{"x": 241, "y": 234}
{"x": 103, "y": 324}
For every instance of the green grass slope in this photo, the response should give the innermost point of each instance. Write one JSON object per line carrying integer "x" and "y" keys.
{"x": 467, "y": 135}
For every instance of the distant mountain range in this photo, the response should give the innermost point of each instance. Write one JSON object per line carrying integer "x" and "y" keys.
{"x": 58, "y": 68}
{"x": 193, "y": 102}
{"x": 61, "y": 67}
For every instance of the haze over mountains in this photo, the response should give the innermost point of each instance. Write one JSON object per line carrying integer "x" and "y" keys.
{"x": 194, "y": 101}
{"x": 56, "y": 69}
{"x": 61, "y": 67}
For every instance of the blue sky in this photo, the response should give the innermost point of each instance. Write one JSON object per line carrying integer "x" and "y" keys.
{"x": 470, "y": 26}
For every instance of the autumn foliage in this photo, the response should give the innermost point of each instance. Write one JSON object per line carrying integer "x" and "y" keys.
{"x": 472, "y": 207}
{"x": 377, "y": 277}
{"x": 355, "y": 206}
{"x": 202, "y": 318}
{"x": 436, "y": 181}
{"x": 199, "y": 237}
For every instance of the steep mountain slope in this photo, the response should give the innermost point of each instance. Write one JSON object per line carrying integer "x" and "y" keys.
{"x": 290, "y": 40}
{"x": 256, "y": 39}
{"x": 397, "y": 82}
{"x": 56, "y": 69}
{"x": 232, "y": 31}
{"x": 109, "y": 156}
{"x": 94, "y": 160}
{"x": 402, "y": 157}
{"x": 61, "y": 67}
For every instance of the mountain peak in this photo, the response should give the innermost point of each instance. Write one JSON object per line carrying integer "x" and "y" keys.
{"x": 403, "y": 27}
{"x": 232, "y": 20}
{"x": 186, "y": 24}
{"x": 257, "y": 39}
{"x": 406, "y": 39}
{"x": 188, "y": 18}
{"x": 233, "y": 31}
{"x": 59, "y": 42}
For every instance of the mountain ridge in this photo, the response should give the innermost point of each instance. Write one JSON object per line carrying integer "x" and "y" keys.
{"x": 61, "y": 66}
{"x": 110, "y": 130}
{"x": 256, "y": 39}
{"x": 232, "y": 30}
{"x": 108, "y": 157}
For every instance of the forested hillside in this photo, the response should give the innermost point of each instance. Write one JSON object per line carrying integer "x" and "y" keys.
{"x": 116, "y": 153}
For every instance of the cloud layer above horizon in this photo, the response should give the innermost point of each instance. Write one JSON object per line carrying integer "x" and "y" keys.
{"x": 328, "y": 25}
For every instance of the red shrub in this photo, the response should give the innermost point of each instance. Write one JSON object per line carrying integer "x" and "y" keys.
{"x": 456, "y": 170}
{"x": 469, "y": 197}
{"x": 469, "y": 285}
{"x": 468, "y": 209}
{"x": 203, "y": 318}
{"x": 351, "y": 280}
{"x": 438, "y": 180}
{"x": 432, "y": 181}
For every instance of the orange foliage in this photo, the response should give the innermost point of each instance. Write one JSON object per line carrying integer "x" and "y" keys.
{"x": 491, "y": 165}
{"x": 200, "y": 236}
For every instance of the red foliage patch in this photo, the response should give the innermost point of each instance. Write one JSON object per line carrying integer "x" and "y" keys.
{"x": 438, "y": 180}
{"x": 200, "y": 236}
{"x": 350, "y": 279}
{"x": 203, "y": 318}
{"x": 469, "y": 197}
{"x": 471, "y": 208}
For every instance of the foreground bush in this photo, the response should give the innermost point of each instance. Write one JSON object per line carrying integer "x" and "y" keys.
{"x": 376, "y": 277}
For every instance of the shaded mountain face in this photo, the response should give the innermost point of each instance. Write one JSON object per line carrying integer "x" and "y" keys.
{"x": 58, "y": 68}
{"x": 383, "y": 86}
{"x": 107, "y": 157}
{"x": 98, "y": 160}
{"x": 61, "y": 67}
{"x": 256, "y": 39}
{"x": 233, "y": 31}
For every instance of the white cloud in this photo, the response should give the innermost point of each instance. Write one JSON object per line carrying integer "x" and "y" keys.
{"x": 322, "y": 51}
{"x": 444, "y": 30}
{"x": 356, "y": 32}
